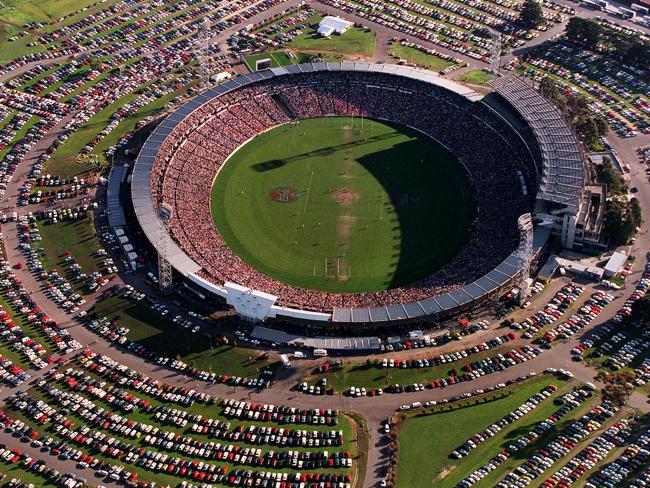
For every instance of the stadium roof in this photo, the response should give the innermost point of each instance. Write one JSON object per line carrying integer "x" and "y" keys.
{"x": 337, "y": 344}
{"x": 481, "y": 288}
{"x": 116, "y": 217}
{"x": 562, "y": 179}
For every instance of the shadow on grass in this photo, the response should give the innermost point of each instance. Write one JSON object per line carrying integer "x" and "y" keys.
{"x": 161, "y": 335}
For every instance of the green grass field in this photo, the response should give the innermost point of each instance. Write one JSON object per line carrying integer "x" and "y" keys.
{"x": 278, "y": 58}
{"x": 282, "y": 58}
{"x": 15, "y": 13}
{"x": 353, "y": 437}
{"x": 160, "y": 334}
{"x": 425, "y": 60}
{"x": 370, "y": 375}
{"x": 426, "y": 440}
{"x": 355, "y": 41}
{"x": 76, "y": 237}
{"x": 476, "y": 77}
{"x": 369, "y": 209}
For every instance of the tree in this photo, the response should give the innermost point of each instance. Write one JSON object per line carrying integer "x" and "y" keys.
{"x": 577, "y": 107}
{"x": 635, "y": 212}
{"x": 638, "y": 52}
{"x": 601, "y": 124}
{"x": 609, "y": 176}
{"x": 641, "y": 311}
{"x": 531, "y": 14}
{"x": 592, "y": 34}
{"x": 618, "y": 222}
{"x": 549, "y": 89}
{"x": 574, "y": 28}
{"x": 618, "y": 387}
{"x": 590, "y": 127}
{"x": 584, "y": 31}
{"x": 588, "y": 131}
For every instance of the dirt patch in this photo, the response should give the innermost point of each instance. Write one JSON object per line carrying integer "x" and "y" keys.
{"x": 340, "y": 267}
{"x": 285, "y": 194}
{"x": 344, "y": 196}
{"x": 344, "y": 226}
{"x": 445, "y": 472}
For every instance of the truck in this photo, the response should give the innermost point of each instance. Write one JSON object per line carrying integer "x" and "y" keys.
{"x": 415, "y": 334}
{"x": 285, "y": 361}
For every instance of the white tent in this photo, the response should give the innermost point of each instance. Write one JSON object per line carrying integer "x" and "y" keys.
{"x": 333, "y": 25}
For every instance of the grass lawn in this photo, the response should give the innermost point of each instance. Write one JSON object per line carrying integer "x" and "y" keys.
{"x": 278, "y": 58}
{"x": 162, "y": 335}
{"x": 19, "y": 135}
{"x": 476, "y": 77}
{"x": 128, "y": 124}
{"x": 15, "y": 13}
{"x": 21, "y": 473}
{"x": 412, "y": 55}
{"x": 75, "y": 236}
{"x": 354, "y": 41}
{"x": 426, "y": 440}
{"x": 327, "y": 205}
{"x": 598, "y": 363}
{"x": 282, "y": 58}
{"x": 63, "y": 163}
{"x": 6, "y": 350}
{"x": 372, "y": 376}
{"x": 34, "y": 332}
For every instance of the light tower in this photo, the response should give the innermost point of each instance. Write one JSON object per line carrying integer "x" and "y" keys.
{"x": 495, "y": 52}
{"x": 525, "y": 251}
{"x": 201, "y": 53}
{"x": 164, "y": 268}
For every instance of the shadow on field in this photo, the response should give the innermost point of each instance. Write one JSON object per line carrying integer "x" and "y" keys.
{"x": 278, "y": 163}
{"x": 430, "y": 202}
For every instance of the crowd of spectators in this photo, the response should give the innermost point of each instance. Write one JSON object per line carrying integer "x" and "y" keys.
{"x": 190, "y": 157}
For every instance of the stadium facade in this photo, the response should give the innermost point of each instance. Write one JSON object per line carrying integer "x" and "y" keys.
{"x": 551, "y": 176}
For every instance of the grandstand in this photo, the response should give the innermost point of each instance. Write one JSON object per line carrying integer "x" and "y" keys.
{"x": 564, "y": 197}
{"x": 511, "y": 174}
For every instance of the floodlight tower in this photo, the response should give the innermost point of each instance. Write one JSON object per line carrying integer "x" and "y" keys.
{"x": 525, "y": 251}
{"x": 201, "y": 53}
{"x": 495, "y": 52}
{"x": 164, "y": 268}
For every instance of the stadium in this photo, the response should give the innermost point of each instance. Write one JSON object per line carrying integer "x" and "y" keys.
{"x": 358, "y": 193}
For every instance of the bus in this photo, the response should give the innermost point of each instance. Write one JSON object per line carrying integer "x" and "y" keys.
{"x": 626, "y": 13}
{"x": 589, "y": 4}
